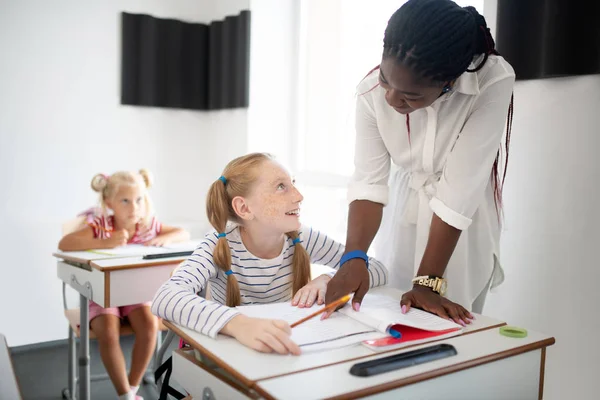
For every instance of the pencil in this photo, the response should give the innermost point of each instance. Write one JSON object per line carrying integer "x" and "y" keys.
{"x": 92, "y": 225}
{"x": 331, "y": 306}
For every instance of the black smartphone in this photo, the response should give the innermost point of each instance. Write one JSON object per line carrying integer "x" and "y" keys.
{"x": 403, "y": 360}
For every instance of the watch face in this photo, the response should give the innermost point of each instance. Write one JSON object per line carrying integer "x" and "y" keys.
{"x": 443, "y": 287}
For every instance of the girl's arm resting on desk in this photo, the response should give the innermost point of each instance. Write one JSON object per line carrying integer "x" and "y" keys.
{"x": 169, "y": 234}
{"x": 83, "y": 239}
{"x": 177, "y": 301}
{"x": 264, "y": 335}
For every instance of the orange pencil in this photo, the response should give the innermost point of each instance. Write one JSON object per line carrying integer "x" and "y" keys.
{"x": 92, "y": 225}
{"x": 331, "y": 306}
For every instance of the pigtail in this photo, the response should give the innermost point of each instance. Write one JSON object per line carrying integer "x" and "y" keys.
{"x": 217, "y": 210}
{"x": 300, "y": 264}
{"x": 147, "y": 177}
{"x": 99, "y": 182}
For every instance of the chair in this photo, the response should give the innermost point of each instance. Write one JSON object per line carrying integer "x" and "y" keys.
{"x": 73, "y": 319}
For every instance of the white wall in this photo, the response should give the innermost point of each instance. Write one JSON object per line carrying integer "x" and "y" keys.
{"x": 61, "y": 122}
{"x": 549, "y": 245}
{"x": 273, "y": 77}
{"x": 551, "y": 237}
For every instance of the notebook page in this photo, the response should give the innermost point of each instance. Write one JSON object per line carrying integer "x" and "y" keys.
{"x": 140, "y": 249}
{"x": 382, "y": 311}
{"x": 338, "y": 330}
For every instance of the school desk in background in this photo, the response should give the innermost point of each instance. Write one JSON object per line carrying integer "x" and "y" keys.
{"x": 111, "y": 278}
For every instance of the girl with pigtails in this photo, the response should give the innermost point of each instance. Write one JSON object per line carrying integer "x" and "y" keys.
{"x": 257, "y": 253}
{"x": 125, "y": 216}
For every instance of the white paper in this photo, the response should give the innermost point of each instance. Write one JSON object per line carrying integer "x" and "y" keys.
{"x": 315, "y": 334}
{"x": 141, "y": 250}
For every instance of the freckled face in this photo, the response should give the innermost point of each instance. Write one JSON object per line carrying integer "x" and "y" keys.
{"x": 274, "y": 200}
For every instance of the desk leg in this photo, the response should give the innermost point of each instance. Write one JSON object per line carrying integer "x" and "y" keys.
{"x": 72, "y": 365}
{"x": 84, "y": 349}
{"x": 160, "y": 354}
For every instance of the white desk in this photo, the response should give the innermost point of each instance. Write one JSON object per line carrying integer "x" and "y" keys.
{"x": 110, "y": 281}
{"x": 482, "y": 353}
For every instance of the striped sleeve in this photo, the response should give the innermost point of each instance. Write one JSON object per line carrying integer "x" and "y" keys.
{"x": 177, "y": 299}
{"x": 324, "y": 250}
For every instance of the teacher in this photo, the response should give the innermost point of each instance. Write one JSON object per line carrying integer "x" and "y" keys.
{"x": 429, "y": 129}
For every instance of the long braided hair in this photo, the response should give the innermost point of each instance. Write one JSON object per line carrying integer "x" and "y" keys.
{"x": 438, "y": 40}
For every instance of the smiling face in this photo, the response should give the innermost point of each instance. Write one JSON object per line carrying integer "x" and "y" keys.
{"x": 273, "y": 201}
{"x": 403, "y": 91}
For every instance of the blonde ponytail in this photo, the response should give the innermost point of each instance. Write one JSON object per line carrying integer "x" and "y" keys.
{"x": 147, "y": 177}
{"x": 300, "y": 264}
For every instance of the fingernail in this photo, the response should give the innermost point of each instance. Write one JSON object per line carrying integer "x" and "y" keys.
{"x": 463, "y": 323}
{"x": 356, "y": 306}
{"x": 403, "y": 309}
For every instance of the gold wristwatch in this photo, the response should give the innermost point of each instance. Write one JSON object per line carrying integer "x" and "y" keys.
{"x": 435, "y": 283}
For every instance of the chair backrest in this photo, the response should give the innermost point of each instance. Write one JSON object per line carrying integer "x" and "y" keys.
{"x": 9, "y": 386}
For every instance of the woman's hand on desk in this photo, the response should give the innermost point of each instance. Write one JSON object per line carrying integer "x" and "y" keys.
{"x": 432, "y": 302}
{"x": 117, "y": 238}
{"x": 264, "y": 335}
{"x": 313, "y": 291}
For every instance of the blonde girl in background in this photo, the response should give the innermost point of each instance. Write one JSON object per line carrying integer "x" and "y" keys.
{"x": 125, "y": 216}
{"x": 257, "y": 253}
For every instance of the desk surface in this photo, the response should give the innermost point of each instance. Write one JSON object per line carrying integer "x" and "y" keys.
{"x": 108, "y": 262}
{"x": 83, "y": 257}
{"x": 472, "y": 350}
{"x": 250, "y": 366}
{"x": 116, "y": 264}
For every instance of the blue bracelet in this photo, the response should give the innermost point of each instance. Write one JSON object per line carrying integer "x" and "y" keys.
{"x": 355, "y": 254}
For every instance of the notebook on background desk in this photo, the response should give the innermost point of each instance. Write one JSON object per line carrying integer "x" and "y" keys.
{"x": 131, "y": 250}
{"x": 347, "y": 327}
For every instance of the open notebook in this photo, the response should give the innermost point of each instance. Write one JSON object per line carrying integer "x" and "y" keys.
{"x": 368, "y": 326}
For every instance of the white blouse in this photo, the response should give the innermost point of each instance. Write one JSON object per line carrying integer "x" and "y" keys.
{"x": 446, "y": 168}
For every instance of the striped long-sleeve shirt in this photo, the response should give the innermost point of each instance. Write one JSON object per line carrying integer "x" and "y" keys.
{"x": 261, "y": 281}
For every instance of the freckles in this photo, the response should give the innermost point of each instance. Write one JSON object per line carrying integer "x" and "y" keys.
{"x": 270, "y": 210}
